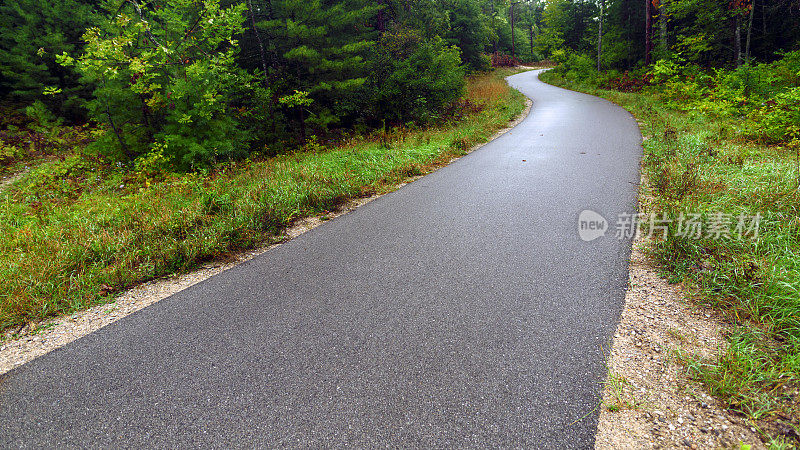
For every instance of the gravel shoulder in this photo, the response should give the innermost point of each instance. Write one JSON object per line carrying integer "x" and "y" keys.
{"x": 20, "y": 346}
{"x": 649, "y": 400}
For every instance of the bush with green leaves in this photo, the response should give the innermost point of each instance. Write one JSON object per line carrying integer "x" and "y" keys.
{"x": 412, "y": 79}
{"x": 549, "y": 43}
{"x": 778, "y": 120}
{"x": 165, "y": 77}
{"x": 574, "y": 66}
{"x": 668, "y": 69}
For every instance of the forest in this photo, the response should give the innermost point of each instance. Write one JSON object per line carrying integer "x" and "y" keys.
{"x": 186, "y": 84}
{"x": 182, "y": 85}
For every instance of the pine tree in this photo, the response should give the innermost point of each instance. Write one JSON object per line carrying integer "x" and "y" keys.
{"x": 32, "y": 33}
{"x": 467, "y": 30}
{"x": 320, "y": 48}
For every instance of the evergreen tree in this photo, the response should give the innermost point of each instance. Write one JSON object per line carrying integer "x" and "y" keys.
{"x": 32, "y": 32}
{"x": 468, "y": 31}
{"x": 429, "y": 17}
{"x": 459, "y": 22}
{"x": 319, "y": 48}
{"x": 623, "y": 33}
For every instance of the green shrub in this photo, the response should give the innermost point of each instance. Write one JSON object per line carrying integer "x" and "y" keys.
{"x": 42, "y": 119}
{"x": 158, "y": 91}
{"x": 580, "y": 67}
{"x": 778, "y": 120}
{"x": 413, "y": 79}
{"x": 575, "y": 66}
{"x": 607, "y": 77}
{"x": 667, "y": 70}
{"x": 787, "y": 69}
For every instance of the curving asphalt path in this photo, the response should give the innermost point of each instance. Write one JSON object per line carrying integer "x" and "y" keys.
{"x": 462, "y": 310}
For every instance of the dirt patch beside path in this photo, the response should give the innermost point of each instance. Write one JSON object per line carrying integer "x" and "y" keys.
{"x": 649, "y": 400}
{"x": 7, "y": 180}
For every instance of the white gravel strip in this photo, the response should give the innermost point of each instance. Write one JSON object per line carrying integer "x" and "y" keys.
{"x": 649, "y": 400}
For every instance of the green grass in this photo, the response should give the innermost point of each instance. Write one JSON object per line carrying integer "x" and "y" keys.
{"x": 74, "y": 232}
{"x": 700, "y": 163}
{"x": 622, "y": 392}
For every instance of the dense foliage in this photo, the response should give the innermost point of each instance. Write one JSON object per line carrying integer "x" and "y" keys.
{"x": 32, "y": 32}
{"x": 698, "y": 64}
{"x": 707, "y": 33}
{"x": 185, "y": 84}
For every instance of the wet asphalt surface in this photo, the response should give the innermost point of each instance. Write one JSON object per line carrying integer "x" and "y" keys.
{"x": 462, "y": 310}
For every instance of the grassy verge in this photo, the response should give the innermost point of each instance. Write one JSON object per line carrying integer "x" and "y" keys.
{"x": 697, "y": 163}
{"x": 74, "y": 231}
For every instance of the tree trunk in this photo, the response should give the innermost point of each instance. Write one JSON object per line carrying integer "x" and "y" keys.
{"x": 531, "y": 41}
{"x": 648, "y": 32}
{"x": 737, "y": 41}
{"x": 600, "y": 33}
{"x": 513, "y": 44}
{"x": 258, "y": 37}
{"x": 146, "y": 118}
{"x": 494, "y": 29}
{"x": 381, "y": 19}
{"x": 629, "y": 28}
{"x": 749, "y": 31}
{"x": 302, "y": 118}
{"x": 130, "y": 156}
{"x": 147, "y": 31}
{"x": 662, "y": 26}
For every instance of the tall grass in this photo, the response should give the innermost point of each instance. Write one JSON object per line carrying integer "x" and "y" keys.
{"x": 63, "y": 248}
{"x": 699, "y": 163}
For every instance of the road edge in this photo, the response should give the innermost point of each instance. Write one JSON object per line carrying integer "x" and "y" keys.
{"x": 649, "y": 399}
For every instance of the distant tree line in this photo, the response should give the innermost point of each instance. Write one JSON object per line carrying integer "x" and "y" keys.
{"x": 710, "y": 33}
